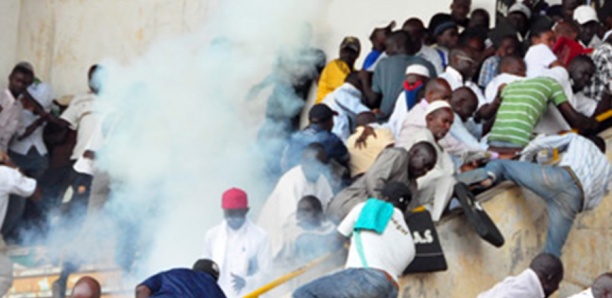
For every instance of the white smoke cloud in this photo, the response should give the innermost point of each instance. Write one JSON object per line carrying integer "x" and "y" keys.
{"x": 186, "y": 132}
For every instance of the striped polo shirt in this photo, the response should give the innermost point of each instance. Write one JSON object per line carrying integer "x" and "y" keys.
{"x": 523, "y": 104}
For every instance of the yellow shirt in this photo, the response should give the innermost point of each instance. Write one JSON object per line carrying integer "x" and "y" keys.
{"x": 362, "y": 159}
{"x": 332, "y": 77}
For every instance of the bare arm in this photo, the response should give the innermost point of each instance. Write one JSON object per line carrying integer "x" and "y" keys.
{"x": 372, "y": 99}
{"x": 575, "y": 119}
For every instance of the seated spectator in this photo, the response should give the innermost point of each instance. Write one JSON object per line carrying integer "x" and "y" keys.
{"x": 307, "y": 234}
{"x": 446, "y": 35}
{"x": 522, "y": 104}
{"x": 11, "y": 117}
{"x": 307, "y": 178}
{"x": 335, "y": 72}
{"x": 586, "y": 17}
{"x": 392, "y": 165}
{"x": 601, "y": 83}
{"x": 381, "y": 249}
{"x": 576, "y": 184}
{"x": 460, "y": 9}
{"x": 378, "y": 38}
{"x": 480, "y": 18}
{"x": 460, "y": 71}
{"x": 364, "y": 156}
{"x": 541, "y": 279}
{"x": 508, "y": 46}
{"x": 540, "y": 55}
{"x": 239, "y": 247}
{"x": 436, "y": 90}
{"x": 601, "y": 288}
{"x": 388, "y": 79}
{"x": 88, "y": 287}
{"x": 519, "y": 16}
{"x": 582, "y": 70}
{"x": 346, "y": 102}
{"x": 436, "y": 187}
{"x": 12, "y": 182}
{"x": 567, "y": 47}
{"x": 417, "y": 78}
{"x": 416, "y": 29}
{"x": 321, "y": 119}
{"x": 464, "y": 103}
{"x": 200, "y": 281}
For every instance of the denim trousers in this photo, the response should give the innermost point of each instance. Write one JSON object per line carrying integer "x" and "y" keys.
{"x": 349, "y": 283}
{"x": 555, "y": 186}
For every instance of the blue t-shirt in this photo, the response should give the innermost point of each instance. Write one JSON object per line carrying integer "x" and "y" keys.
{"x": 371, "y": 59}
{"x": 334, "y": 147}
{"x": 183, "y": 283}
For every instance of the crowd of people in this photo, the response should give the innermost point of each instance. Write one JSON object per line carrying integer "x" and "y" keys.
{"x": 453, "y": 102}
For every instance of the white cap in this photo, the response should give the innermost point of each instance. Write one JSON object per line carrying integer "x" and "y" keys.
{"x": 520, "y": 7}
{"x": 418, "y": 69}
{"x": 436, "y": 105}
{"x": 584, "y": 14}
{"x": 42, "y": 93}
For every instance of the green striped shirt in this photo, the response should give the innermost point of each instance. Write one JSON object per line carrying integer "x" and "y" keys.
{"x": 523, "y": 104}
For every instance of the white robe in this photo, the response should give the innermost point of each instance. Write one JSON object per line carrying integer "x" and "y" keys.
{"x": 237, "y": 251}
{"x": 283, "y": 201}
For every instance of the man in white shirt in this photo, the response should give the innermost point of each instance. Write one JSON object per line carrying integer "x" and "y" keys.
{"x": 346, "y": 102}
{"x": 417, "y": 77}
{"x": 307, "y": 178}
{"x": 578, "y": 183}
{"x": 238, "y": 246}
{"x": 460, "y": 71}
{"x": 11, "y": 118}
{"x": 601, "y": 288}
{"x": 381, "y": 249}
{"x": 81, "y": 117}
{"x": 416, "y": 29}
{"x": 540, "y": 280}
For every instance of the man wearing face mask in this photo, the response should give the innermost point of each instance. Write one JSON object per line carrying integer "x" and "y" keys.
{"x": 239, "y": 246}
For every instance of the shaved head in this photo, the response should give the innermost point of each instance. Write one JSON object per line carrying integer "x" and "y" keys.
{"x": 549, "y": 269}
{"x": 423, "y": 158}
{"x": 462, "y": 59}
{"x": 86, "y": 287}
{"x": 513, "y": 65}
{"x": 437, "y": 89}
{"x": 602, "y": 286}
{"x": 464, "y": 102}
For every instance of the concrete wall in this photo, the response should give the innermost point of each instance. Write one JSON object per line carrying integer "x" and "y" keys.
{"x": 9, "y": 20}
{"x": 475, "y": 266}
{"x": 62, "y": 38}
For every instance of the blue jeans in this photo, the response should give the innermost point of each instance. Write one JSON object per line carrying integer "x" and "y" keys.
{"x": 553, "y": 184}
{"x": 349, "y": 283}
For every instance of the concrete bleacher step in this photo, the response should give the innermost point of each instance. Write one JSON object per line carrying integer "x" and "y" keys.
{"x": 36, "y": 280}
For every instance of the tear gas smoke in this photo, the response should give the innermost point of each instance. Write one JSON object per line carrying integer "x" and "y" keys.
{"x": 183, "y": 130}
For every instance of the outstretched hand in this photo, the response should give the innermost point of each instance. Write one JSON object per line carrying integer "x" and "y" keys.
{"x": 238, "y": 283}
{"x": 362, "y": 140}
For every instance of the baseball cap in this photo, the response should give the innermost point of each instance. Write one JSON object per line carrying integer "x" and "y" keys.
{"x": 352, "y": 43}
{"x": 436, "y": 105}
{"x": 234, "y": 198}
{"x": 520, "y": 7}
{"x": 383, "y": 25}
{"x": 396, "y": 190}
{"x": 418, "y": 69}
{"x": 584, "y": 14}
{"x": 26, "y": 65}
{"x": 208, "y": 266}
{"x": 320, "y": 113}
